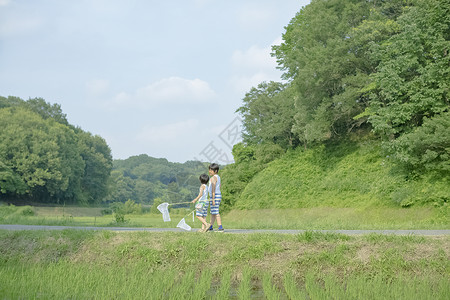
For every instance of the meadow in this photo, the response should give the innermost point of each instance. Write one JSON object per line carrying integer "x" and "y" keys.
{"x": 312, "y": 218}
{"x": 79, "y": 264}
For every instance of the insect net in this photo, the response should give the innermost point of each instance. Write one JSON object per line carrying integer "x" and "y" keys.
{"x": 164, "y": 209}
{"x": 182, "y": 224}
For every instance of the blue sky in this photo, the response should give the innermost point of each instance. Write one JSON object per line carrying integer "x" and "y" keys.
{"x": 162, "y": 78}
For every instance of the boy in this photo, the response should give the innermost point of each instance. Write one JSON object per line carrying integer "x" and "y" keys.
{"x": 201, "y": 209}
{"x": 215, "y": 196}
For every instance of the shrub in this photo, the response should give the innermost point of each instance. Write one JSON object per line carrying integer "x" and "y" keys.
{"x": 106, "y": 211}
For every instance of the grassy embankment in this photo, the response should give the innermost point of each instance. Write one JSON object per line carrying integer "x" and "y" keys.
{"x": 342, "y": 186}
{"x": 109, "y": 265}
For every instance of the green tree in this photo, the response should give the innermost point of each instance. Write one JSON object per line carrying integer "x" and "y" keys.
{"x": 412, "y": 81}
{"x": 326, "y": 56}
{"x": 44, "y": 156}
{"x": 267, "y": 114}
{"x": 31, "y": 149}
{"x": 11, "y": 182}
{"x": 97, "y": 157}
{"x": 427, "y": 148}
{"x": 120, "y": 187}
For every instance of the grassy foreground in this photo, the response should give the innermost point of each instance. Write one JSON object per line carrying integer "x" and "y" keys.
{"x": 75, "y": 264}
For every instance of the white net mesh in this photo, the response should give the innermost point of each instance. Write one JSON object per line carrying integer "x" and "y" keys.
{"x": 164, "y": 209}
{"x": 182, "y": 224}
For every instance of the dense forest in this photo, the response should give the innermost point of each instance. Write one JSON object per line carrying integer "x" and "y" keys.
{"x": 143, "y": 179}
{"x": 355, "y": 72}
{"x": 353, "y": 69}
{"x": 45, "y": 159}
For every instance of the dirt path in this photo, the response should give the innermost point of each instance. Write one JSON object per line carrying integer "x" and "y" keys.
{"x": 348, "y": 232}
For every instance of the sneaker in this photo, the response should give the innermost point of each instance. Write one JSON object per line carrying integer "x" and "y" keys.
{"x": 220, "y": 229}
{"x": 210, "y": 228}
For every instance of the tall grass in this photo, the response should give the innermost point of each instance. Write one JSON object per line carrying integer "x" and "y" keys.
{"x": 224, "y": 285}
{"x": 107, "y": 265}
{"x": 64, "y": 280}
{"x": 245, "y": 288}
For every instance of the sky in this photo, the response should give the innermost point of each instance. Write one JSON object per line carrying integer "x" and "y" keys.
{"x": 162, "y": 78}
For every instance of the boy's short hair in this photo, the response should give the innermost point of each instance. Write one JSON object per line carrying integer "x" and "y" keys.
{"x": 214, "y": 167}
{"x": 204, "y": 178}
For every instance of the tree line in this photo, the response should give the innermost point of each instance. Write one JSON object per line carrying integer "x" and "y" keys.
{"x": 354, "y": 66}
{"x": 147, "y": 180}
{"x": 43, "y": 158}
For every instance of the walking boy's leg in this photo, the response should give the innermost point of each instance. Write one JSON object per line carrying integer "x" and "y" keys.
{"x": 219, "y": 220}
{"x": 205, "y": 224}
{"x": 215, "y": 215}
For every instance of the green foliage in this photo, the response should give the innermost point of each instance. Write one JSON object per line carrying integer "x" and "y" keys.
{"x": 427, "y": 148}
{"x": 11, "y": 182}
{"x": 412, "y": 78}
{"x": 121, "y": 209}
{"x": 327, "y": 55}
{"x": 268, "y": 113}
{"x": 339, "y": 175}
{"x": 106, "y": 211}
{"x": 130, "y": 207}
{"x": 11, "y": 212}
{"x": 316, "y": 236}
{"x": 249, "y": 160}
{"x": 97, "y": 157}
{"x": 144, "y": 178}
{"x": 99, "y": 264}
{"x": 154, "y": 209}
{"x": 41, "y": 155}
{"x": 348, "y": 65}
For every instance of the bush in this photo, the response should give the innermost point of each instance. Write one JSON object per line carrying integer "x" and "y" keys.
{"x": 130, "y": 207}
{"x": 154, "y": 209}
{"x": 427, "y": 148}
{"x": 106, "y": 211}
{"x": 26, "y": 211}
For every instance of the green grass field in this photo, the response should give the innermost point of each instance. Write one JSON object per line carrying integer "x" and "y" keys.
{"x": 298, "y": 218}
{"x": 72, "y": 264}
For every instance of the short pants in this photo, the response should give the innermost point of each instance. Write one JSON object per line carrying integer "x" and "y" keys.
{"x": 203, "y": 211}
{"x": 214, "y": 209}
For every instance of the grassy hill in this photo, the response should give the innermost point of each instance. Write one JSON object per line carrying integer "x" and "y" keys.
{"x": 349, "y": 174}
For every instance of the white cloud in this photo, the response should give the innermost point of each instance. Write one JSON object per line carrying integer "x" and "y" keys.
{"x": 253, "y": 58}
{"x": 253, "y": 66}
{"x": 172, "y": 90}
{"x": 243, "y": 83}
{"x": 167, "y": 133}
{"x": 177, "y": 90}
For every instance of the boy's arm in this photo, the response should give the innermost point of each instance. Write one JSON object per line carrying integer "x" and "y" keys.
{"x": 199, "y": 194}
{"x": 213, "y": 190}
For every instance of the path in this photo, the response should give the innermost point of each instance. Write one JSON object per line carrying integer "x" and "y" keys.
{"x": 348, "y": 232}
